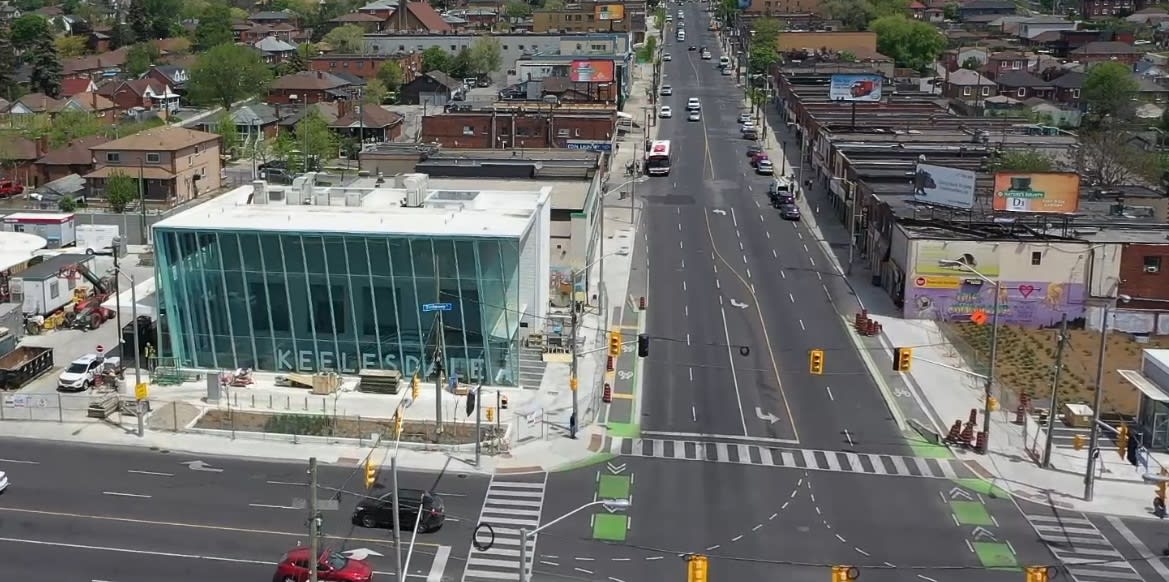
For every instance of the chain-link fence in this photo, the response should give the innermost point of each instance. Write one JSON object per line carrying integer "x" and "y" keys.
{"x": 58, "y": 407}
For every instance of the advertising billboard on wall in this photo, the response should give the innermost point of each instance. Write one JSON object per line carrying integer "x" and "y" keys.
{"x": 591, "y": 72}
{"x": 856, "y": 87}
{"x": 943, "y": 186}
{"x": 610, "y": 12}
{"x": 1053, "y": 192}
{"x": 929, "y": 272}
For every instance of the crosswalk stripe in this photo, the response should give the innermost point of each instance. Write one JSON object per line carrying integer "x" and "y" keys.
{"x": 1059, "y": 519}
{"x": 1086, "y": 553}
{"x": 475, "y": 573}
{"x": 1109, "y": 553}
{"x": 517, "y": 502}
{"x": 513, "y": 511}
{"x": 517, "y": 485}
{"x": 508, "y": 507}
{"x": 899, "y": 465}
{"x": 1085, "y": 574}
{"x": 788, "y": 459}
{"x": 833, "y": 462}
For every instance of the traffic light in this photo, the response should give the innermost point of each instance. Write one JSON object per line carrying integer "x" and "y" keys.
{"x": 844, "y": 573}
{"x": 415, "y": 387}
{"x": 642, "y": 345}
{"x": 614, "y": 343}
{"x": 696, "y": 568}
{"x": 490, "y": 413}
{"x": 398, "y": 424}
{"x": 370, "y": 473}
{"x": 1036, "y": 573}
{"x": 1078, "y": 442}
{"x": 902, "y": 359}
{"x": 573, "y": 383}
{"x": 1122, "y": 440}
{"x": 816, "y": 362}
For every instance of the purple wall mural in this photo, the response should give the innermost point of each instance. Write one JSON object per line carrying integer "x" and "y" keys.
{"x": 1033, "y": 304}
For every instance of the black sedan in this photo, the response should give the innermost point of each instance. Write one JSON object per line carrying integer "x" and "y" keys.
{"x": 379, "y": 511}
{"x": 789, "y": 212}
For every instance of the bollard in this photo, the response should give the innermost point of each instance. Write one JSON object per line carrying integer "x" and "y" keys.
{"x": 306, "y": 403}
{"x": 269, "y": 402}
{"x": 174, "y": 411}
{"x": 287, "y": 402}
{"x": 253, "y": 400}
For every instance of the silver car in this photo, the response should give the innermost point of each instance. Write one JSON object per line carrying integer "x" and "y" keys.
{"x": 694, "y": 116}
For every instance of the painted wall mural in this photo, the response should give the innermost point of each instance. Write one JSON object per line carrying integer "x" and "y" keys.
{"x": 1029, "y": 303}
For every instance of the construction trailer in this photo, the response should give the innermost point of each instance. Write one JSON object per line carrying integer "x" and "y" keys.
{"x": 58, "y": 228}
{"x": 47, "y": 287}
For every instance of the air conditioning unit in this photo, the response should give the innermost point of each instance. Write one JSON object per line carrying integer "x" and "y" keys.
{"x": 1152, "y": 269}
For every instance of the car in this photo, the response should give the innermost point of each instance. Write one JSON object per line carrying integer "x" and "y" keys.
{"x": 789, "y": 212}
{"x": 755, "y": 159}
{"x": 666, "y": 57}
{"x": 764, "y": 167}
{"x": 379, "y": 512}
{"x": 9, "y": 188}
{"x": 681, "y": 14}
{"x": 691, "y": 48}
{"x": 692, "y": 104}
{"x": 744, "y": 118}
{"x": 331, "y": 567}
{"x": 694, "y": 116}
{"x": 665, "y": 112}
{"x": 727, "y": 72}
{"x": 754, "y": 150}
{"x": 276, "y": 176}
{"x": 3, "y": 481}
{"x": 80, "y": 374}
{"x": 705, "y": 56}
{"x": 667, "y": 90}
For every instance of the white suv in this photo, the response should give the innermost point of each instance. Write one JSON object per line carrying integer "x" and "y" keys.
{"x": 80, "y": 374}
{"x": 665, "y": 112}
{"x": 692, "y": 104}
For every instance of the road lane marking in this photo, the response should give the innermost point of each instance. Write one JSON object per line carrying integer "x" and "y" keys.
{"x": 439, "y": 564}
{"x": 693, "y": 413}
{"x": 813, "y": 261}
{"x": 1139, "y": 546}
{"x": 687, "y": 339}
{"x": 683, "y": 285}
{"x": 198, "y": 526}
{"x": 848, "y": 437}
{"x": 267, "y": 506}
{"x": 151, "y": 473}
{"x": 744, "y": 259}
{"x": 691, "y": 374}
{"x": 120, "y": 494}
{"x": 748, "y": 272}
{"x": 774, "y": 255}
{"x": 782, "y": 274}
{"x": 829, "y": 389}
{"x": 741, "y": 247}
{"x": 717, "y": 285}
{"x": 734, "y": 374}
{"x": 686, "y": 308}
{"x": 16, "y": 462}
{"x": 792, "y": 297}
{"x": 826, "y": 292}
{"x": 683, "y": 263}
{"x": 734, "y": 220}
{"x": 679, "y": 227}
{"x": 286, "y": 483}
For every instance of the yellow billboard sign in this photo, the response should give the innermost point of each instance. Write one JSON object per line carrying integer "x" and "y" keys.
{"x": 610, "y": 12}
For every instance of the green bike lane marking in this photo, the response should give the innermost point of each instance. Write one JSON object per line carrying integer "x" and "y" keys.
{"x": 630, "y": 428}
{"x": 973, "y": 517}
{"x": 612, "y": 527}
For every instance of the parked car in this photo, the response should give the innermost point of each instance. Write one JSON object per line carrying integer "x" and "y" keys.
{"x": 666, "y": 57}
{"x": 379, "y": 512}
{"x": 3, "y": 481}
{"x": 758, "y": 157}
{"x": 665, "y": 112}
{"x": 744, "y": 118}
{"x": 331, "y": 567}
{"x": 79, "y": 376}
{"x": 706, "y": 55}
{"x": 789, "y": 212}
{"x": 691, "y": 48}
{"x": 764, "y": 167}
{"x": 754, "y": 150}
{"x": 667, "y": 90}
{"x": 276, "y": 176}
{"x": 8, "y": 189}
{"x": 694, "y": 116}
{"x": 727, "y": 72}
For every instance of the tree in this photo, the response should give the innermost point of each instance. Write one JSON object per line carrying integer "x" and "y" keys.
{"x": 462, "y": 65}
{"x": 391, "y": 76}
{"x": 971, "y": 63}
{"x": 121, "y": 191}
{"x": 70, "y": 46}
{"x": 45, "y": 76}
{"x": 1022, "y": 161}
{"x": 214, "y": 26}
{"x": 553, "y": 4}
{"x": 227, "y": 73}
{"x": 8, "y": 63}
{"x": 228, "y": 133}
{"x": 517, "y": 9}
{"x": 140, "y": 58}
{"x": 435, "y": 59}
{"x": 28, "y": 29}
{"x": 70, "y": 125}
{"x": 910, "y": 43}
{"x": 762, "y": 57}
{"x": 121, "y": 35}
{"x": 766, "y": 31}
{"x": 1108, "y": 90}
{"x": 858, "y": 14}
{"x": 1106, "y": 158}
{"x": 347, "y": 39}
{"x": 312, "y": 138}
{"x": 138, "y": 20}
{"x": 295, "y": 63}
{"x": 375, "y": 93}
{"x": 486, "y": 55}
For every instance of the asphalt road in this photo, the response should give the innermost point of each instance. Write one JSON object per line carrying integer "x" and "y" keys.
{"x": 131, "y": 514}
{"x": 725, "y": 273}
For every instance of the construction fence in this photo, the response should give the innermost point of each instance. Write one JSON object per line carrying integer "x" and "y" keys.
{"x": 54, "y": 407}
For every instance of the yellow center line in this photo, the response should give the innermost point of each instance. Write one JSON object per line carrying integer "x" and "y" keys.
{"x": 199, "y": 526}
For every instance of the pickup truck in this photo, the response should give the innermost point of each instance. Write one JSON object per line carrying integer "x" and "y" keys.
{"x": 8, "y": 189}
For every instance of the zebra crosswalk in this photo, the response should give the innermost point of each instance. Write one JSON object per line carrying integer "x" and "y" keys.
{"x": 1085, "y": 552}
{"x": 813, "y": 460}
{"x": 509, "y": 506}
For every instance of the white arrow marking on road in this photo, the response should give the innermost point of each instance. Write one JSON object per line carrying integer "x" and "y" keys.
{"x": 771, "y": 418}
{"x": 615, "y": 469}
{"x": 739, "y": 305}
{"x": 361, "y": 553}
{"x": 980, "y": 533}
{"x": 959, "y": 492}
{"x": 719, "y": 211}
{"x": 201, "y": 466}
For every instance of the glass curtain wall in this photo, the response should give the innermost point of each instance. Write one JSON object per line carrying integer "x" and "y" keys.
{"x": 305, "y": 302}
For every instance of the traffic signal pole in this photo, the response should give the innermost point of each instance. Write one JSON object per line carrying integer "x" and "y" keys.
{"x": 313, "y": 520}
{"x": 573, "y": 381}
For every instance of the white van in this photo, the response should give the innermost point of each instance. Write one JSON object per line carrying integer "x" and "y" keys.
{"x": 681, "y": 36}
{"x": 723, "y": 62}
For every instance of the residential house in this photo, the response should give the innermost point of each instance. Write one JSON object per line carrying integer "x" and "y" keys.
{"x": 146, "y": 93}
{"x": 1030, "y": 27}
{"x": 382, "y": 9}
{"x": 1060, "y": 43}
{"x": 368, "y": 22}
{"x": 955, "y": 59}
{"x": 94, "y": 104}
{"x": 274, "y": 50}
{"x": 417, "y": 17}
{"x": 9, "y": 12}
{"x": 985, "y": 8}
{"x": 366, "y": 66}
{"x": 309, "y": 87}
{"x": 1150, "y": 17}
{"x": 1022, "y": 85}
{"x": 480, "y": 18}
{"x": 752, "y": 8}
{"x": 251, "y": 121}
{"x": 515, "y": 127}
{"x": 173, "y": 76}
{"x": 434, "y": 88}
{"x": 176, "y": 164}
{"x": 290, "y": 115}
{"x": 967, "y": 85}
{"x": 1151, "y": 92}
{"x": 35, "y": 104}
{"x": 251, "y": 33}
{"x": 589, "y": 17}
{"x": 1106, "y": 8}
{"x": 1005, "y": 61}
{"x": 372, "y": 123}
{"x": 1067, "y": 87}
{"x": 1104, "y": 51}
{"x": 104, "y": 65}
{"x": 71, "y": 87}
{"x": 274, "y": 17}
{"x": 98, "y": 41}
{"x": 18, "y": 157}
{"x": 74, "y": 157}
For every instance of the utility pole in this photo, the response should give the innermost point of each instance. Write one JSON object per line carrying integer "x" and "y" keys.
{"x": 1063, "y": 340}
{"x": 851, "y": 189}
{"x": 573, "y": 382}
{"x": 314, "y": 521}
{"x": 1094, "y": 435}
{"x": 479, "y": 415}
{"x": 438, "y": 351}
{"x": 398, "y": 573}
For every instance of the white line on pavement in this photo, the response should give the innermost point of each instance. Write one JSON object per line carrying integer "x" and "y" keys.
{"x": 120, "y": 494}
{"x": 1157, "y": 565}
{"x": 152, "y": 473}
{"x": 802, "y": 326}
{"x": 734, "y": 374}
{"x": 775, "y": 255}
{"x": 792, "y": 297}
{"x": 16, "y": 462}
{"x": 267, "y": 506}
{"x": 734, "y": 219}
{"x": 439, "y": 564}
{"x": 813, "y": 261}
{"x": 291, "y": 483}
{"x": 829, "y": 389}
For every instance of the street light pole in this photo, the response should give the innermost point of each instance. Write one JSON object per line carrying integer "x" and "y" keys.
{"x": 137, "y": 353}
{"x": 611, "y": 504}
{"x": 1094, "y": 435}
{"x": 994, "y": 343}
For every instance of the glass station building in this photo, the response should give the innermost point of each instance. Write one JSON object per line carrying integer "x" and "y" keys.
{"x": 345, "y": 279}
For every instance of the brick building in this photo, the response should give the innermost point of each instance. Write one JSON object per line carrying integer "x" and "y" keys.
{"x": 519, "y": 127}
{"x": 366, "y": 66}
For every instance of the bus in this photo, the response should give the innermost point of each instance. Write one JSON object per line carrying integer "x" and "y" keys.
{"x": 657, "y": 159}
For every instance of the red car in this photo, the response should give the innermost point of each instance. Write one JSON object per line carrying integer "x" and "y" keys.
{"x": 332, "y": 567}
{"x": 755, "y": 159}
{"x": 8, "y": 189}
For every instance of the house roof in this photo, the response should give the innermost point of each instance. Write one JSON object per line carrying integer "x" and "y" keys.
{"x": 92, "y": 102}
{"x": 358, "y": 17}
{"x": 170, "y": 72}
{"x": 1070, "y": 80}
{"x": 75, "y": 153}
{"x": 107, "y": 60}
{"x": 1107, "y": 47}
{"x": 271, "y": 44}
{"x": 966, "y": 77}
{"x": 1048, "y": 36}
{"x": 18, "y": 149}
{"x": 170, "y": 45}
{"x": 71, "y": 87}
{"x": 272, "y": 15}
{"x": 372, "y": 116}
{"x": 39, "y": 102}
{"x": 138, "y": 86}
{"x": 1020, "y": 79}
{"x": 428, "y": 17}
{"x": 444, "y": 80}
{"x": 166, "y": 138}
{"x": 987, "y": 5}
{"x": 381, "y": 5}
{"x": 309, "y": 81}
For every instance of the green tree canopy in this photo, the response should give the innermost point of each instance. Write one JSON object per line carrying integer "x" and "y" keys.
{"x": 214, "y": 26}
{"x": 375, "y": 92}
{"x": 486, "y": 55}
{"x": 910, "y": 43}
{"x": 140, "y": 58}
{"x": 462, "y": 65}
{"x": 121, "y": 191}
{"x": 312, "y": 137}
{"x": 517, "y": 9}
{"x": 8, "y": 64}
{"x": 1022, "y": 161}
{"x": 45, "y": 76}
{"x": 139, "y": 21}
{"x": 70, "y": 46}
{"x": 228, "y": 133}
{"x": 390, "y": 74}
{"x": 27, "y": 29}
{"x": 347, "y": 39}
{"x": 435, "y": 59}
{"x": 228, "y": 73}
{"x": 1108, "y": 90}
{"x": 858, "y": 14}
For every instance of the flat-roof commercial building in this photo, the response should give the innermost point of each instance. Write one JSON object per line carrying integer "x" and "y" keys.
{"x": 361, "y": 277}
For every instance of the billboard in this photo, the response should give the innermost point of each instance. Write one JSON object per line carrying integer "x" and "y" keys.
{"x": 1053, "y": 192}
{"x": 855, "y": 87}
{"x": 1029, "y": 303}
{"x": 943, "y": 186}
{"x": 929, "y": 273}
{"x": 591, "y": 72}
{"x": 610, "y": 12}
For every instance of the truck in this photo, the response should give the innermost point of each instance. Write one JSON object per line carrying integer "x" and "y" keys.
{"x": 23, "y": 365}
